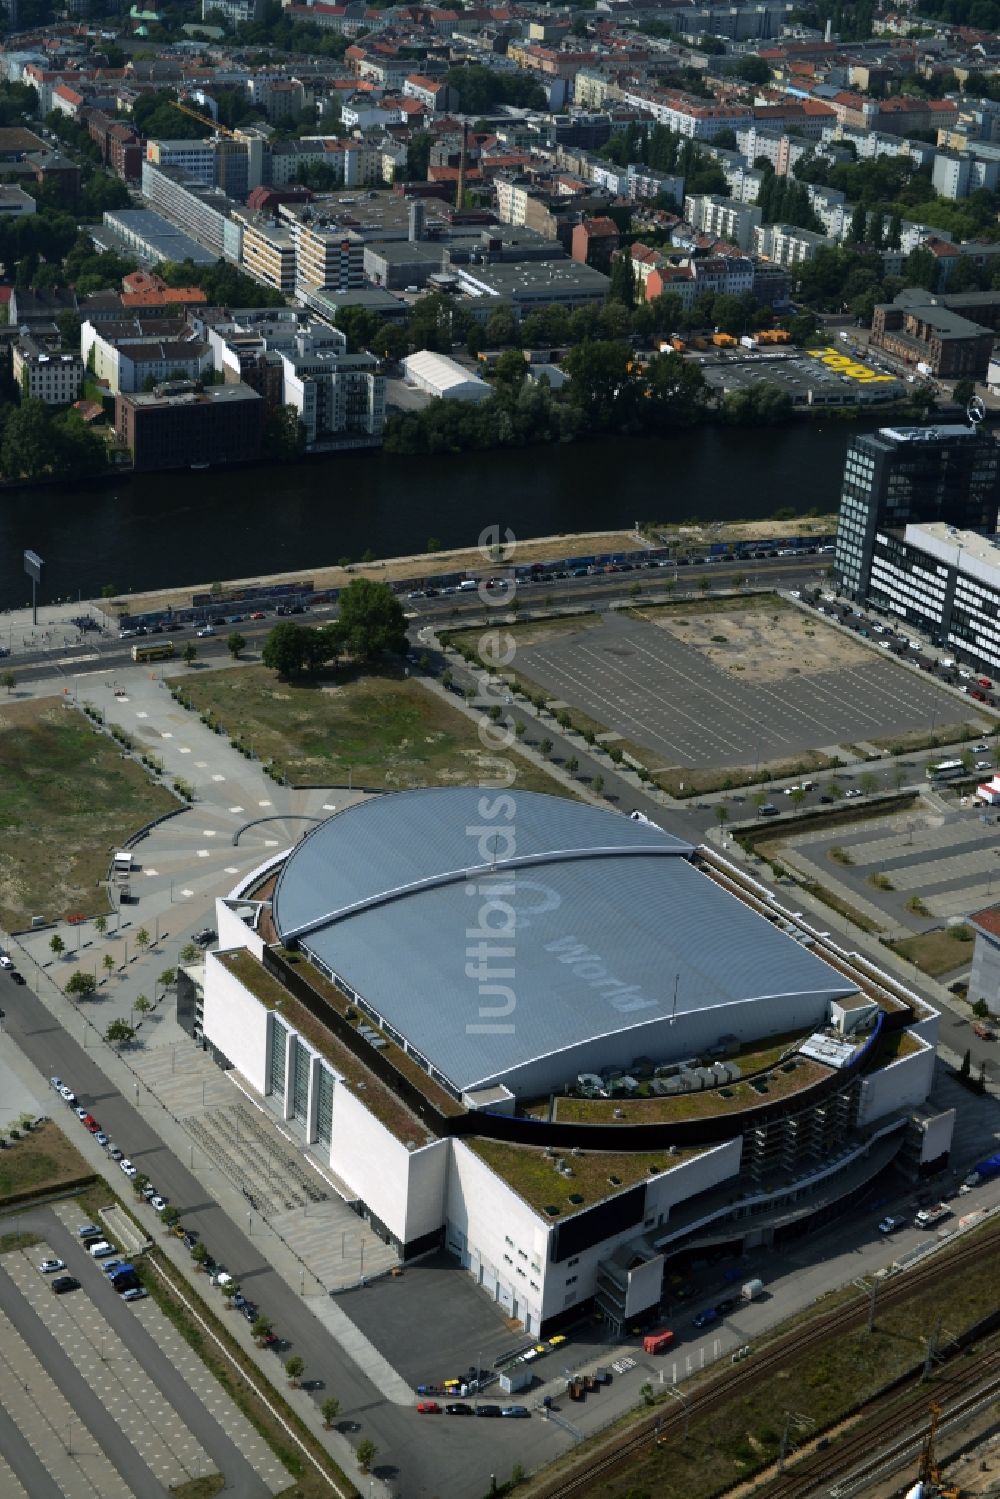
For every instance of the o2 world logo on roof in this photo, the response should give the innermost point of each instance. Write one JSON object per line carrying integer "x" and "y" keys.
{"x": 975, "y": 411}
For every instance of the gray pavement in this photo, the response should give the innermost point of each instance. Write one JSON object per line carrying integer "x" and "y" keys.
{"x": 660, "y": 692}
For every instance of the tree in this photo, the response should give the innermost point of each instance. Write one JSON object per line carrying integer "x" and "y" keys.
{"x": 236, "y": 644}
{"x": 920, "y": 268}
{"x": 142, "y": 1004}
{"x": 366, "y": 1454}
{"x": 169, "y": 1217}
{"x": 188, "y": 952}
{"x": 753, "y": 70}
{"x": 721, "y": 814}
{"x": 199, "y": 1254}
{"x": 142, "y": 939}
{"x": 965, "y": 389}
{"x": 597, "y": 785}
{"x": 330, "y": 1410}
{"x": 293, "y": 1368}
{"x": 100, "y": 925}
{"x": 981, "y": 1009}
{"x": 295, "y": 650}
{"x": 510, "y": 371}
{"x": 57, "y": 946}
{"x": 370, "y": 621}
{"x": 572, "y": 765}
{"x": 282, "y": 436}
{"x": 81, "y": 984}
{"x": 119, "y": 1033}
{"x": 798, "y": 795}
{"x": 621, "y": 284}
{"x": 868, "y": 783}
{"x": 109, "y": 963}
{"x": 261, "y": 1326}
{"x": 139, "y": 1184}
{"x": 190, "y": 653}
{"x": 168, "y": 978}
{"x": 9, "y": 680}
{"x": 546, "y": 746}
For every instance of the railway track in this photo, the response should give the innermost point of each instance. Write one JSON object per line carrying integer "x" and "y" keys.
{"x": 864, "y": 1451}
{"x": 793, "y": 1345}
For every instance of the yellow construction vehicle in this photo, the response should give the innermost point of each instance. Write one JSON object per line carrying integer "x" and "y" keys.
{"x": 929, "y": 1485}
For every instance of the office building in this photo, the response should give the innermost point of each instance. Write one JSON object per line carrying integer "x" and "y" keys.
{"x": 337, "y": 395}
{"x": 952, "y": 334}
{"x": 901, "y": 477}
{"x": 180, "y": 424}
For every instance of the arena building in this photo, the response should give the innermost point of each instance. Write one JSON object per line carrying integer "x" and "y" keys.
{"x": 564, "y": 1044}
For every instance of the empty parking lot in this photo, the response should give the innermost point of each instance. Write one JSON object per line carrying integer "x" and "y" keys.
{"x": 669, "y": 697}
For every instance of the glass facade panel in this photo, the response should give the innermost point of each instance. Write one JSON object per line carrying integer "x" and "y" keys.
{"x": 279, "y": 1040}
{"x": 324, "y": 1105}
{"x": 300, "y": 1080}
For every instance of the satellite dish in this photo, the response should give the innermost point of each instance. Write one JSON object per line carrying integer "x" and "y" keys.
{"x": 975, "y": 411}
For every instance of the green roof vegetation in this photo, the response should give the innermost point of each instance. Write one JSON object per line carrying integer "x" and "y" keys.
{"x": 401, "y": 1060}
{"x": 374, "y": 1094}
{"x": 731, "y": 1098}
{"x": 597, "y": 1174}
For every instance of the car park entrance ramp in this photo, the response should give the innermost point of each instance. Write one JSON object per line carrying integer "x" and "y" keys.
{"x": 124, "y": 1230}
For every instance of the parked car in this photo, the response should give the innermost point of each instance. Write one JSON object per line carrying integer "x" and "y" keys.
{"x": 888, "y": 1224}
{"x": 87, "y": 1231}
{"x": 518, "y": 1412}
{"x": 64, "y": 1283}
{"x": 128, "y": 1168}
{"x": 488, "y": 1410}
{"x": 726, "y": 1305}
{"x": 115, "y": 1153}
{"x": 158, "y": 1203}
{"x": 135, "y": 1294}
{"x": 428, "y": 1408}
{"x": 15, "y": 977}
{"x": 459, "y": 1408}
{"x": 706, "y": 1317}
{"x": 56, "y": 1083}
{"x": 49, "y": 1267}
{"x": 6, "y": 961}
{"x": 101, "y": 1137}
{"x": 204, "y": 631}
{"x": 101, "y": 1250}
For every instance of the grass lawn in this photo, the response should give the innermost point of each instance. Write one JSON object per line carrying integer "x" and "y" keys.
{"x": 200, "y": 1488}
{"x": 820, "y": 1387}
{"x": 67, "y": 800}
{"x": 387, "y": 731}
{"x": 39, "y": 1161}
{"x": 937, "y": 952}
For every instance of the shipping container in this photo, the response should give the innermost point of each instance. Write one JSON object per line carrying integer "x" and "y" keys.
{"x": 658, "y": 1342}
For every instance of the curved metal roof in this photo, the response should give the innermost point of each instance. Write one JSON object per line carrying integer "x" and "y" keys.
{"x": 422, "y": 900}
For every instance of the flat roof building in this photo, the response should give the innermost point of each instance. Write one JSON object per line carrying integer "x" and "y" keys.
{"x": 541, "y": 1035}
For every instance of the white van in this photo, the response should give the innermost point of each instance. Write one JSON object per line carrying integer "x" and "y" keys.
{"x": 467, "y": 585}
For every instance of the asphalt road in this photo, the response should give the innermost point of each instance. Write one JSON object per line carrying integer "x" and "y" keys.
{"x": 101, "y": 653}
{"x": 457, "y": 1462}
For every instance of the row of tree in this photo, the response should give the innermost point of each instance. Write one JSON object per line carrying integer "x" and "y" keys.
{"x": 36, "y": 444}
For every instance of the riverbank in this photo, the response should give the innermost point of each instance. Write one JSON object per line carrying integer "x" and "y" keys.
{"x": 472, "y": 559}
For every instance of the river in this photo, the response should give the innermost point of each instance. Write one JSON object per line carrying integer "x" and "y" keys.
{"x": 156, "y": 530}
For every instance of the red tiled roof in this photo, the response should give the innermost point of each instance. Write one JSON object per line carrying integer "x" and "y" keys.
{"x": 989, "y": 920}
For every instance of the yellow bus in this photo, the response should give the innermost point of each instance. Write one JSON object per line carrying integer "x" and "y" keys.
{"x": 154, "y": 650}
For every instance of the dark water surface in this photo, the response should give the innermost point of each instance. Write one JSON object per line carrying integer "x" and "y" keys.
{"x": 156, "y": 530}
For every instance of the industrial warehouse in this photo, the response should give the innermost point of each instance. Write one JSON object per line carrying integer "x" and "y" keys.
{"x": 563, "y": 1044}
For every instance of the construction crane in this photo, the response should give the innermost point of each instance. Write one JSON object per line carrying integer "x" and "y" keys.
{"x": 928, "y": 1484}
{"x": 213, "y": 125}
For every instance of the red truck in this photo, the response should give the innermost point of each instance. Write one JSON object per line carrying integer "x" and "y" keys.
{"x": 657, "y": 1342}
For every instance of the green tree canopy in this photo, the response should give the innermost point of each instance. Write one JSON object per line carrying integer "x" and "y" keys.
{"x": 370, "y": 620}
{"x": 294, "y": 650}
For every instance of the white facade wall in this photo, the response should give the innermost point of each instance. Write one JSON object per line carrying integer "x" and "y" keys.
{"x": 427, "y": 1189}
{"x": 235, "y": 1021}
{"x": 372, "y": 1162}
{"x": 901, "y": 1085}
{"x": 234, "y": 932}
{"x": 495, "y": 1234}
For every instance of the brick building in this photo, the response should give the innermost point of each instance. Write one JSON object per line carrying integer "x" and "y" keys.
{"x": 953, "y": 335}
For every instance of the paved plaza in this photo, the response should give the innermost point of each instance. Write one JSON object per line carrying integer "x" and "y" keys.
{"x": 665, "y": 695}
